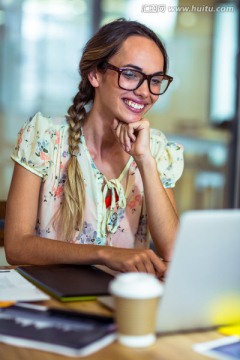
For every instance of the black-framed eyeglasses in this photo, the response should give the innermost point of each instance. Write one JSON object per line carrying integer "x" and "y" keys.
{"x": 131, "y": 79}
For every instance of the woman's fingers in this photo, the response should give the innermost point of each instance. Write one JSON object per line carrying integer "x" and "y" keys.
{"x": 134, "y": 260}
{"x": 159, "y": 266}
{"x": 147, "y": 267}
{"x": 121, "y": 133}
{"x": 133, "y": 137}
{"x": 127, "y": 140}
{"x": 130, "y": 131}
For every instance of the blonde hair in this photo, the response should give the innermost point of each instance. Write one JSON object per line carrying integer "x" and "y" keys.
{"x": 70, "y": 215}
{"x": 98, "y": 50}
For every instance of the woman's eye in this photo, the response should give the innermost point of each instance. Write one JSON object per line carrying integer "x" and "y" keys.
{"x": 129, "y": 74}
{"x": 156, "y": 81}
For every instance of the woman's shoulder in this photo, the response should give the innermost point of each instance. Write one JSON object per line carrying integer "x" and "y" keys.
{"x": 39, "y": 142}
{"x": 169, "y": 157}
{"x": 158, "y": 141}
{"x": 39, "y": 127}
{"x": 47, "y": 122}
{"x": 157, "y": 135}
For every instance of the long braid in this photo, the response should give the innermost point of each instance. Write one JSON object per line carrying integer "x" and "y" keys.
{"x": 71, "y": 213}
{"x": 99, "y": 49}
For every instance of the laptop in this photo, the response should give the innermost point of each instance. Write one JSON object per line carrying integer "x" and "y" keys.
{"x": 202, "y": 286}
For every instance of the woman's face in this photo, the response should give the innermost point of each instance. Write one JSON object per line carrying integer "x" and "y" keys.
{"x": 125, "y": 105}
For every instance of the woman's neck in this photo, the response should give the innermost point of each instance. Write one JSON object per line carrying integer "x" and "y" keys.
{"x": 98, "y": 132}
{"x": 106, "y": 152}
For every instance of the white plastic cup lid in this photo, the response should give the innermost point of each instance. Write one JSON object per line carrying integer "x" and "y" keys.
{"x": 136, "y": 285}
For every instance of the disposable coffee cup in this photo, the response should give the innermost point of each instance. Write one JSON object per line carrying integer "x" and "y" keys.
{"x": 136, "y": 297}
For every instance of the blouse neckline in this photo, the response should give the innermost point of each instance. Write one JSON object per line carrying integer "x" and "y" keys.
{"x": 109, "y": 217}
{"x": 124, "y": 171}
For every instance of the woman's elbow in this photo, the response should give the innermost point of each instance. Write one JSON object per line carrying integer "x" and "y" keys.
{"x": 12, "y": 251}
{"x": 11, "y": 255}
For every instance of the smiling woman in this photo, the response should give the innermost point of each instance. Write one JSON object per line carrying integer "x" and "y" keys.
{"x": 101, "y": 177}
{"x": 129, "y": 102}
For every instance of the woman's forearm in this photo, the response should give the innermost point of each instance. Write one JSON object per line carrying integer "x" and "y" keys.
{"x": 30, "y": 249}
{"x": 161, "y": 208}
{"x": 33, "y": 250}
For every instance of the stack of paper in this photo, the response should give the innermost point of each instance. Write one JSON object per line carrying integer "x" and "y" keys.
{"x": 14, "y": 287}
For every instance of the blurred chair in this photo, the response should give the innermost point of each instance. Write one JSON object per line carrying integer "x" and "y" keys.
{"x": 2, "y": 220}
{"x": 3, "y": 261}
{"x": 209, "y": 187}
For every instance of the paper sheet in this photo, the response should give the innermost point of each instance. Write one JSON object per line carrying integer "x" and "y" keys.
{"x": 226, "y": 348}
{"x": 14, "y": 287}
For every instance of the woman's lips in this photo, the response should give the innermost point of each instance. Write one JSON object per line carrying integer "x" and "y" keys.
{"x": 134, "y": 106}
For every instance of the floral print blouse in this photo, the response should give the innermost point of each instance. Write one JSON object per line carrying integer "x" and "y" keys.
{"x": 118, "y": 219}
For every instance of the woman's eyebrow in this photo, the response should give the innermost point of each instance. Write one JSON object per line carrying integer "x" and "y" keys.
{"x": 133, "y": 66}
{"x": 140, "y": 69}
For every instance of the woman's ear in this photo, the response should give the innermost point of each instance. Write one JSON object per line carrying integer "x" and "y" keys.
{"x": 94, "y": 78}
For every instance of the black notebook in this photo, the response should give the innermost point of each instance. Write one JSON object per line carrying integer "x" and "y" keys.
{"x": 60, "y": 331}
{"x": 68, "y": 282}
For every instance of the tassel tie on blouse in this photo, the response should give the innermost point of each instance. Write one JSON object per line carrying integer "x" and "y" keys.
{"x": 110, "y": 214}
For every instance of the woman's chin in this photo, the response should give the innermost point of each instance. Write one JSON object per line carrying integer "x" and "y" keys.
{"x": 130, "y": 119}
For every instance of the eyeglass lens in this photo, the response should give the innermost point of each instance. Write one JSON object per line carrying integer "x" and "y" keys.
{"x": 130, "y": 80}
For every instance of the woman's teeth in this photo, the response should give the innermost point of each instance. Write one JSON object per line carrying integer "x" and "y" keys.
{"x": 134, "y": 105}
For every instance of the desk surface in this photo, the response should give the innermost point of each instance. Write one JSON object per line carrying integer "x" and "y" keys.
{"x": 167, "y": 347}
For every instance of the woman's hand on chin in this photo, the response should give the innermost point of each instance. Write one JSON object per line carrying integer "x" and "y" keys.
{"x": 133, "y": 137}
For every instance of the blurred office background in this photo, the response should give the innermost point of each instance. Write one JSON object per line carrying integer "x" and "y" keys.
{"x": 40, "y": 47}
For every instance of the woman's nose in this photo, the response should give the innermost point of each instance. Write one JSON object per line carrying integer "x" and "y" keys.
{"x": 143, "y": 89}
